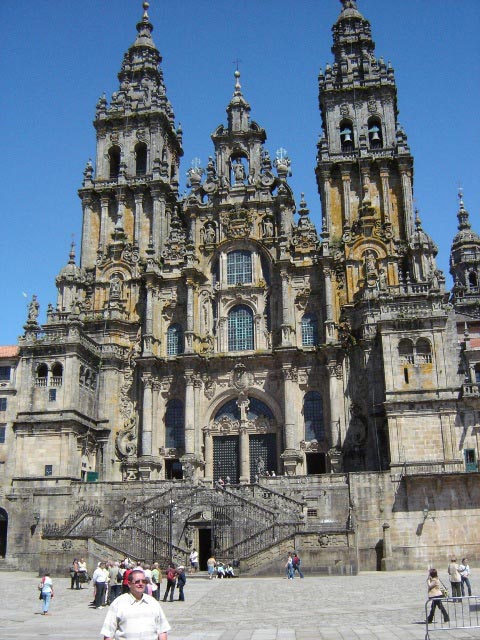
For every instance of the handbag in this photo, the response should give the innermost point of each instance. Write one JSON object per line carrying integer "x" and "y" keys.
{"x": 40, "y": 596}
{"x": 444, "y": 590}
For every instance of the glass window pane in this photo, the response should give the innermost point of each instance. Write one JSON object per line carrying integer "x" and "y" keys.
{"x": 309, "y": 330}
{"x": 313, "y": 416}
{"x": 174, "y": 425}
{"x": 240, "y": 329}
{"x": 239, "y": 267}
{"x": 174, "y": 340}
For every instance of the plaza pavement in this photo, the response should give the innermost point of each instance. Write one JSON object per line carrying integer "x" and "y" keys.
{"x": 370, "y": 606}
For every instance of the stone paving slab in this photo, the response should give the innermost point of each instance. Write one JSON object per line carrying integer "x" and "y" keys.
{"x": 377, "y": 606}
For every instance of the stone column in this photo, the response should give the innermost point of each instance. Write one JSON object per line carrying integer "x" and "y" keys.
{"x": 387, "y": 559}
{"x": 243, "y": 403}
{"x": 406, "y": 177}
{"x": 208, "y": 452}
{"x": 189, "y": 415}
{"x": 87, "y": 253}
{"x": 244, "y": 455}
{"x": 329, "y": 320}
{"x": 286, "y": 320}
{"x": 345, "y": 169}
{"x": 385, "y": 175}
{"x": 332, "y": 429}
{"x": 157, "y": 387}
{"x": 157, "y": 230}
{"x": 189, "y": 331}
{"x": 138, "y": 215}
{"x": 327, "y": 184}
{"x": 147, "y": 416}
{"x": 104, "y": 203}
{"x": 289, "y": 377}
{"x": 121, "y": 199}
{"x": 147, "y": 341}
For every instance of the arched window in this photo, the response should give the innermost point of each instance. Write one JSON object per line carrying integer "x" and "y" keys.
{"x": 174, "y": 340}
{"x": 472, "y": 280}
{"x": 309, "y": 330}
{"x": 240, "y": 329}
{"x": 405, "y": 351}
{"x": 57, "y": 375}
{"x": 42, "y": 375}
{"x": 424, "y": 351}
{"x": 256, "y": 409}
{"x": 239, "y": 267}
{"x": 174, "y": 425}
{"x": 140, "y": 159}
{"x": 313, "y": 416}
{"x": 375, "y": 139}
{"x": 346, "y": 135}
{"x": 114, "y": 157}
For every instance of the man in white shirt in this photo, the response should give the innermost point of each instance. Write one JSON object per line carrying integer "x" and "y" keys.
{"x": 99, "y": 578}
{"x": 135, "y": 615}
{"x": 194, "y": 561}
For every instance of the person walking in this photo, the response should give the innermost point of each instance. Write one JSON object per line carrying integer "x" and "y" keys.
{"x": 455, "y": 578}
{"x": 211, "y": 564}
{"x": 296, "y": 562}
{"x": 464, "y": 571}
{"x": 289, "y": 567}
{"x": 435, "y": 596}
{"x": 135, "y": 614}
{"x": 181, "y": 580}
{"x": 114, "y": 581}
{"x": 46, "y": 592}
{"x": 156, "y": 579}
{"x": 74, "y": 575}
{"x": 171, "y": 581}
{"x": 99, "y": 582}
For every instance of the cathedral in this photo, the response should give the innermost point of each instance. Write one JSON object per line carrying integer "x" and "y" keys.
{"x": 219, "y": 374}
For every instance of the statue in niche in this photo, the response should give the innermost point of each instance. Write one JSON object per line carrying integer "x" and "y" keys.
{"x": 370, "y": 264}
{"x": 239, "y": 171}
{"x": 382, "y": 280}
{"x": 267, "y": 227}
{"x": 209, "y": 233}
{"x": 115, "y": 288}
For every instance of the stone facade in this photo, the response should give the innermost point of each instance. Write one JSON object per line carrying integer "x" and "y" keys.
{"x": 219, "y": 337}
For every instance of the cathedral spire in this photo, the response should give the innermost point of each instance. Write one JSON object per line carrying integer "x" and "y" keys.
{"x": 462, "y": 215}
{"x": 238, "y": 109}
{"x": 145, "y": 28}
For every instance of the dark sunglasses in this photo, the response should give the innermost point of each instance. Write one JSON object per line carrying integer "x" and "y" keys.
{"x": 139, "y": 581}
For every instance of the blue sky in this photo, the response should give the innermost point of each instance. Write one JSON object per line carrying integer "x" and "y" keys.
{"x": 58, "y": 57}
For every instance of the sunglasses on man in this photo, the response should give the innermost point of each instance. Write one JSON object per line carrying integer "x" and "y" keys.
{"x": 139, "y": 582}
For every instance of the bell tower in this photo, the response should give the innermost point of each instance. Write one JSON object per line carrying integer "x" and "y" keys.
{"x": 128, "y": 198}
{"x": 364, "y": 169}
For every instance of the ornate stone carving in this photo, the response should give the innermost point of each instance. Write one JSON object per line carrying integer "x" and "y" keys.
{"x": 126, "y": 440}
{"x": 240, "y": 378}
{"x": 236, "y": 223}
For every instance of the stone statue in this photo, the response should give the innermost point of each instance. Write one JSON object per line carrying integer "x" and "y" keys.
{"x": 268, "y": 227}
{"x": 370, "y": 264}
{"x": 209, "y": 233}
{"x": 382, "y": 280}
{"x": 33, "y": 310}
{"x": 115, "y": 287}
{"x": 239, "y": 172}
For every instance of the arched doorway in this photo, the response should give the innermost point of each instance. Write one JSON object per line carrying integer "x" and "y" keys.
{"x": 3, "y": 532}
